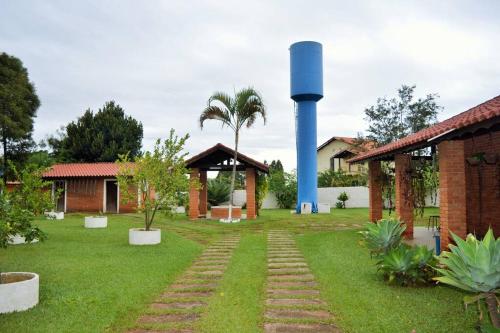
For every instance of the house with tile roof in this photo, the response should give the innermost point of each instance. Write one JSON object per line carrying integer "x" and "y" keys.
{"x": 468, "y": 153}
{"x": 334, "y": 153}
{"x": 87, "y": 187}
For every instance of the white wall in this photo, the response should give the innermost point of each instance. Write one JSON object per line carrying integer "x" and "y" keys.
{"x": 358, "y": 197}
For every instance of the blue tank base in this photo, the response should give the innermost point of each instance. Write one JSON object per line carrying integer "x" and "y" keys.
{"x": 314, "y": 208}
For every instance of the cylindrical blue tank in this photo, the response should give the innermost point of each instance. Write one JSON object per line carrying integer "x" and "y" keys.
{"x": 306, "y": 88}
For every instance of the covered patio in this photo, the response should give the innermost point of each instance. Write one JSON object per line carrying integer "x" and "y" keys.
{"x": 221, "y": 158}
{"x": 468, "y": 152}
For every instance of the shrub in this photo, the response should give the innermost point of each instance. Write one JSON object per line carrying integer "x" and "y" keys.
{"x": 217, "y": 191}
{"x": 339, "y": 205}
{"x": 330, "y": 178}
{"x": 406, "y": 265}
{"x": 383, "y": 236}
{"x": 342, "y": 198}
{"x": 474, "y": 266}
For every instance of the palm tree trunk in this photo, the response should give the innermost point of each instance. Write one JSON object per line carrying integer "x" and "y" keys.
{"x": 233, "y": 176}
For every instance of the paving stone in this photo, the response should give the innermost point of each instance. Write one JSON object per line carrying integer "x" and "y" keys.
{"x": 288, "y": 270}
{"x": 207, "y": 267}
{"x": 287, "y": 264}
{"x": 292, "y": 284}
{"x": 297, "y": 277}
{"x": 294, "y": 301}
{"x": 293, "y": 292}
{"x": 178, "y": 305}
{"x": 180, "y": 294}
{"x": 168, "y": 318}
{"x": 181, "y": 286}
{"x": 299, "y": 328}
{"x": 297, "y": 314}
{"x": 280, "y": 260}
{"x": 170, "y": 330}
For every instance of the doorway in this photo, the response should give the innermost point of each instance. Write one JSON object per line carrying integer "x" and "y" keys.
{"x": 60, "y": 191}
{"x": 111, "y": 193}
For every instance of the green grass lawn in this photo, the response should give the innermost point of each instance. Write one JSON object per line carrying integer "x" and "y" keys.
{"x": 93, "y": 281}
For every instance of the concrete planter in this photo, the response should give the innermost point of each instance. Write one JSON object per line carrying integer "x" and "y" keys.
{"x": 139, "y": 236}
{"x": 55, "y": 215}
{"x": 92, "y": 222}
{"x": 18, "y": 239}
{"x": 19, "y": 292}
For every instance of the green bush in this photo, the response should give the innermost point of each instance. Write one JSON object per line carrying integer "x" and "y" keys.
{"x": 330, "y": 178}
{"x": 342, "y": 198}
{"x": 406, "y": 265}
{"x": 383, "y": 236}
{"x": 339, "y": 205}
{"x": 218, "y": 191}
{"x": 474, "y": 266}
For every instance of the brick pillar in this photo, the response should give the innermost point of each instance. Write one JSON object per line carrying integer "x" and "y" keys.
{"x": 203, "y": 192}
{"x": 452, "y": 190}
{"x": 194, "y": 196}
{"x": 251, "y": 204}
{"x": 404, "y": 202}
{"x": 375, "y": 190}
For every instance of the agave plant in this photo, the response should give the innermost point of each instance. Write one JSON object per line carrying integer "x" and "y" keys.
{"x": 474, "y": 266}
{"x": 406, "y": 265}
{"x": 382, "y": 236}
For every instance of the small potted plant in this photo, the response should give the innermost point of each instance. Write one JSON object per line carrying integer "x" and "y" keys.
{"x": 18, "y": 290}
{"x": 158, "y": 176}
{"x": 94, "y": 222}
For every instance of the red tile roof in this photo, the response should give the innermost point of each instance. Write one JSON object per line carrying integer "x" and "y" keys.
{"x": 228, "y": 152}
{"x": 485, "y": 111}
{"x": 105, "y": 169}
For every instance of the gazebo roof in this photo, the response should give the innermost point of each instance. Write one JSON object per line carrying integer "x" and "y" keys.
{"x": 218, "y": 158}
{"x": 483, "y": 116}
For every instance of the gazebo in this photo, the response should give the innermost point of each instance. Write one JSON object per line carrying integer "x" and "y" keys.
{"x": 221, "y": 158}
{"x": 468, "y": 150}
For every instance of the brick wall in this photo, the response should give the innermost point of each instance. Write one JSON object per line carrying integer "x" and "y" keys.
{"x": 488, "y": 194}
{"x": 375, "y": 190}
{"x": 194, "y": 195}
{"x": 452, "y": 184}
{"x": 404, "y": 202}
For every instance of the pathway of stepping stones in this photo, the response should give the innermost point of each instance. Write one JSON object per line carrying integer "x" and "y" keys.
{"x": 178, "y": 308}
{"x": 293, "y": 303}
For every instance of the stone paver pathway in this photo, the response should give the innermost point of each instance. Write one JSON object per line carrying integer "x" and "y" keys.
{"x": 293, "y": 303}
{"x": 178, "y": 308}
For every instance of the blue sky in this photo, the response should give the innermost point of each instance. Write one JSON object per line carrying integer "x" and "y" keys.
{"x": 161, "y": 60}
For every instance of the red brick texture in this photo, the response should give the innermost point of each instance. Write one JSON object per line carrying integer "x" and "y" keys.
{"x": 194, "y": 195}
{"x": 87, "y": 195}
{"x": 483, "y": 184}
{"x": 217, "y": 213}
{"x": 375, "y": 190}
{"x": 250, "y": 188}
{"x": 203, "y": 193}
{"x": 452, "y": 193}
{"x": 404, "y": 201}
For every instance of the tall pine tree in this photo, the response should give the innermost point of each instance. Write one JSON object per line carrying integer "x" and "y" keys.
{"x": 18, "y": 105}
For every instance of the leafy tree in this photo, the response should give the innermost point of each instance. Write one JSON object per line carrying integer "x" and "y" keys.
{"x": 159, "y": 177}
{"x": 283, "y": 185}
{"x": 225, "y": 177}
{"x": 99, "y": 137}
{"x": 395, "y": 118}
{"x": 261, "y": 189}
{"x": 18, "y": 105}
{"x": 235, "y": 113}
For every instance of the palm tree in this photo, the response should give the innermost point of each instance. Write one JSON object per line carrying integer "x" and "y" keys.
{"x": 234, "y": 112}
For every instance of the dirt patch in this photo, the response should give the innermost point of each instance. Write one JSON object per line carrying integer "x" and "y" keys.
{"x": 15, "y": 277}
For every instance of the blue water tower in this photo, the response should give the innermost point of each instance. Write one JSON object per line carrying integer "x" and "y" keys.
{"x": 306, "y": 88}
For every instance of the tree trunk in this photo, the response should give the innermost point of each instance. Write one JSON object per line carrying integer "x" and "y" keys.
{"x": 233, "y": 176}
{"x": 4, "y": 143}
{"x": 491, "y": 302}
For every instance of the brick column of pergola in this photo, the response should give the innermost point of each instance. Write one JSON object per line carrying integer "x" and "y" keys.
{"x": 404, "y": 202}
{"x": 194, "y": 195}
{"x": 452, "y": 190}
{"x": 250, "y": 188}
{"x": 203, "y": 192}
{"x": 375, "y": 190}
